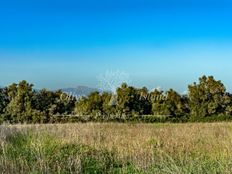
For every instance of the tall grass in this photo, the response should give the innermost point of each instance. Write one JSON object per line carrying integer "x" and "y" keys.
{"x": 116, "y": 148}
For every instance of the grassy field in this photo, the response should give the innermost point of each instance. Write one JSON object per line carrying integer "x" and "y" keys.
{"x": 116, "y": 148}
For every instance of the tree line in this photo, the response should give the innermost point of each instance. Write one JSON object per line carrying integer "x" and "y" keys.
{"x": 206, "y": 100}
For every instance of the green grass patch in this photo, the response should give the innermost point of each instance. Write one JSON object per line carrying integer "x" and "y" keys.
{"x": 32, "y": 153}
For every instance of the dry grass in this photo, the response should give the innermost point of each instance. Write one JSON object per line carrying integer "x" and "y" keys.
{"x": 149, "y": 148}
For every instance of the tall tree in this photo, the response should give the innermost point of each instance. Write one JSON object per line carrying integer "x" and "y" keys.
{"x": 176, "y": 103}
{"x": 144, "y": 106}
{"x": 207, "y": 97}
{"x": 52, "y": 103}
{"x": 227, "y": 104}
{"x": 125, "y": 99}
{"x": 43, "y": 100}
{"x": 4, "y": 100}
{"x": 91, "y": 105}
{"x": 168, "y": 104}
{"x": 109, "y": 104}
{"x": 131, "y": 101}
{"x": 19, "y": 108}
{"x": 157, "y": 98}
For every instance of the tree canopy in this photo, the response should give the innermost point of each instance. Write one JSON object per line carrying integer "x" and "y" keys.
{"x": 205, "y": 99}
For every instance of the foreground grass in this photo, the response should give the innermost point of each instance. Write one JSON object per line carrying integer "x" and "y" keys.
{"x": 116, "y": 148}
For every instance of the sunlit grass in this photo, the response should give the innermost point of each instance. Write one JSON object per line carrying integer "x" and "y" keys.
{"x": 116, "y": 148}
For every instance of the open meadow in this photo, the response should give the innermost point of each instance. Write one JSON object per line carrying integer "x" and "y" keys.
{"x": 116, "y": 148}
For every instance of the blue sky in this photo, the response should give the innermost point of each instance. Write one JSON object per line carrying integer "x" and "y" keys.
{"x": 167, "y": 43}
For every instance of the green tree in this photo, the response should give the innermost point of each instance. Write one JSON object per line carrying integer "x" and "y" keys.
{"x": 19, "y": 109}
{"x": 143, "y": 104}
{"x": 91, "y": 105}
{"x": 157, "y": 99}
{"x": 177, "y": 104}
{"x": 4, "y": 100}
{"x": 168, "y": 104}
{"x": 132, "y": 101}
{"x": 227, "y": 104}
{"x": 82, "y": 107}
{"x": 65, "y": 102}
{"x": 109, "y": 104}
{"x": 43, "y": 100}
{"x": 207, "y": 97}
{"x": 53, "y": 103}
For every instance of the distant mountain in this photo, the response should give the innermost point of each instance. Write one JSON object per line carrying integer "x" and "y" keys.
{"x": 80, "y": 91}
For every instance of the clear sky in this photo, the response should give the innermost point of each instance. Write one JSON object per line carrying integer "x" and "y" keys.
{"x": 65, "y": 43}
